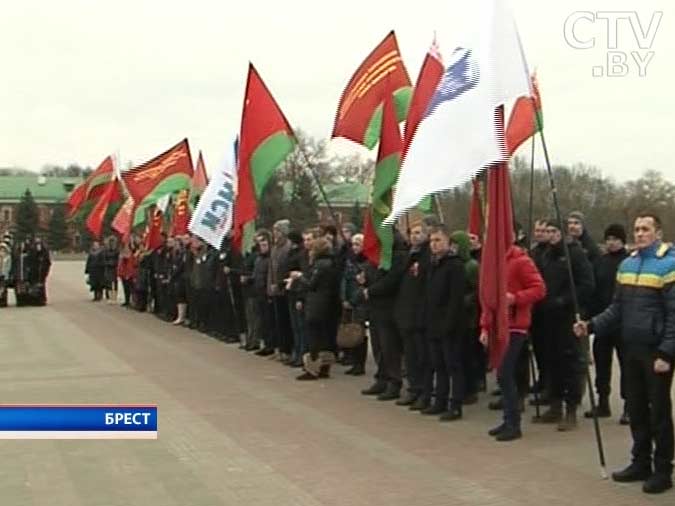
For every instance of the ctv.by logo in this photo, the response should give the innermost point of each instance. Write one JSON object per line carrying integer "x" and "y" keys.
{"x": 618, "y": 63}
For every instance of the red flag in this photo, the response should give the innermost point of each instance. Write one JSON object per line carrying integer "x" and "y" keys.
{"x": 359, "y": 112}
{"x": 153, "y": 238}
{"x": 97, "y": 215}
{"x": 121, "y": 223}
{"x": 430, "y": 75}
{"x": 526, "y": 119}
{"x": 476, "y": 211}
{"x": 92, "y": 187}
{"x": 181, "y": 215}
{"x": 266, "y": 139}
{"x": 199, "y": 178}
{"x": 167, "y": 173}
{"x": 493, "y": 276}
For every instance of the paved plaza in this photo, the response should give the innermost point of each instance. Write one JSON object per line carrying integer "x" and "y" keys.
{"x": 235, "y": 429}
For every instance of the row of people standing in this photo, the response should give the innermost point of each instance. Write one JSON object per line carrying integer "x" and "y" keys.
{"x": 25, "y": 268}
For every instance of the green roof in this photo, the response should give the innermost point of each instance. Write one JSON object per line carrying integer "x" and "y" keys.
{"x": 339, "y": 194}
{"x": 45, "y": 190}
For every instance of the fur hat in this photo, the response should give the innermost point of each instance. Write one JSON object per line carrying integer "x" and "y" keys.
{"x": 616, "y": 230}
{"x": 283, "y": 226}
{"x": 577, "y": 215}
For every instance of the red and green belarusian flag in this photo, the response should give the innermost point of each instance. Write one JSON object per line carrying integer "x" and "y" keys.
{"x": 113, "y": 193}
{"x": 165, "y": 174}
{"x": 430, "y": 75}
{"x": 526, "y": 119}
{"x": 122, "y": 221}
{"x": 359, "y": 114}
{"x": 199, "y": 180}
{"x": 378, "y": 240}
{"x": 92, "y": 188}
{"x": 265, "y": 140}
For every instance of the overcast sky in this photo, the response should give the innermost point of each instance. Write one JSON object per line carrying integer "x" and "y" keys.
{"x": 83, "y": 79}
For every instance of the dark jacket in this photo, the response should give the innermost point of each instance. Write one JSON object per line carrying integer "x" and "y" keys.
{"x": 350, "y": 290}
{"x": 643, "y": 309}
{"x": 605, "y": 270}
{"x": 111, "y": 260}
{"x": 444, "y": 298}
{"x": 262, "y": 264}
{"x": 95, "y": 268}
{"x": 559, "y": 302}
{"x": 322, "y": 289}
{"x": 589, "y": 247}
{"x": 409, "y": 307}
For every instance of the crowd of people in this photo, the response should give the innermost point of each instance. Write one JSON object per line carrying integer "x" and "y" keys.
{"x": 24, "y": 266}
{"x": 296, "y": 295}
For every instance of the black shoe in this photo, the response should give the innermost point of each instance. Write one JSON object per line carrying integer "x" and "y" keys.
{"x": 509, "y": 434}
{"x": 408, "y": 400}
{"x": 306, "y": 377}
{"x": 251, "y": 347}
{"x": 420, "y": 404}
{"x": 390, "y": 394}
{"x": 434, "y": 409}
{"x": 497, "y": 430}
{"x": 356, "y": 370}
{"x": 296, "y": 363}
{"x": 265, "y": 352}
{"x": 454, "y": 413}
{"x": 601, "y": 410}
{"x": 470, "y": 399}
{"x": 634, "y": 472}
{"x": 496, "y": 392}
{"x": 657, "y": 483}
{"x": 497, "y": 405}
{"x": 375, "y": 389}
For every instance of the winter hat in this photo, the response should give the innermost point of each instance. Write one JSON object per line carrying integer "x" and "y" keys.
{"x": 616, "y": 230}
{"x": 577, "y": 215}
{"x": 350, "y": 226}
{"x": 463, "y": 242}
{"x": 283, "y": 226}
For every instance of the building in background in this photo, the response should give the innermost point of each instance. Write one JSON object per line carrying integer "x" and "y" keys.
{"x": 48, "y": 193}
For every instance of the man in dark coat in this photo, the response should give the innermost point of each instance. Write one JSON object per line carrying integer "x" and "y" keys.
{"x": 95, "y": 270}
{"x": 565, "y": 357}
{"x": 381, "y": 288}
{"x": 111, "y": 256}
{"x": 603, "y": 347}
{"x": 408, "y": 314}
{"x": 576, "y": 229}
{"x": 445, "y": 323}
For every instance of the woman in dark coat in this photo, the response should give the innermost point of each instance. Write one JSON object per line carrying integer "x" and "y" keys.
{"x": 111, "y": 256}
{"x": 95, "y": 269}
{"x": 321, "y": 297}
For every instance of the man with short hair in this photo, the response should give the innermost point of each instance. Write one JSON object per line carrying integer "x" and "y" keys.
{"x": 576, "y": 229}
{"x": 643, "y": 310}
{"x": 445, "y": 324}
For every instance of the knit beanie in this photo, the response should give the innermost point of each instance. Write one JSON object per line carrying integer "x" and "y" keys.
{"x": 616, "y": 230}
{"x": 283, "y": 226}
{"x": 577, "y": 215}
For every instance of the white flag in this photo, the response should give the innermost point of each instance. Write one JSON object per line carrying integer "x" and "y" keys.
{"x": 163, "y": 203}
{"x": 212, "y": 219}
{"x": 459, "y": 136}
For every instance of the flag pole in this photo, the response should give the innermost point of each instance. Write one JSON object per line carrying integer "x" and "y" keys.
{"x": 321, "y": 190}
{"x": 575, "y": 302}
{"x": 439, "y": 210}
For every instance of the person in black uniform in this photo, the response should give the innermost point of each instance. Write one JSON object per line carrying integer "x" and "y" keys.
{"x": 603, "y": 347}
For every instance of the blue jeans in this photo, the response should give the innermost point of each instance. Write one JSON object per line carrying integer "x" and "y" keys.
{"x": 506, "y": 377}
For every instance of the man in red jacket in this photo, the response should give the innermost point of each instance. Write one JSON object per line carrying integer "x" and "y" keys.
{"x": 525, "y": 287}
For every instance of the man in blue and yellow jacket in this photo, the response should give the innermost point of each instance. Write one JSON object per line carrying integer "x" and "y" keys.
{"x": 643, "y": 311}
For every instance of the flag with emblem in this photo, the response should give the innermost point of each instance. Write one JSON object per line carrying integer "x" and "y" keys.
{"x": 93, "y": 187}
{"x": 458, "y": 136}
{"x": 359, "y": 114}
{"x": 181, "y": 214}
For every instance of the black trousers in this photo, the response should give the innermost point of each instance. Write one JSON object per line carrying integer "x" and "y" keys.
{"x": 540, "y": 344}
{"x": 376, "y": 344}
{"x": 126, "y": 287}
{"x": 564, "y": 361}
{"x": 446, "y": 360}
{"x": 391, "y": 346}
{"x": 318, "y": 337}
{"x": 475, "y": 362}
{"x": 650, "y": 410}
{"x": 508, "y": 377}
{"x": 603, "y": 355}
{"x": 282, "y": 325}
{"x": 416, "y": 356}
